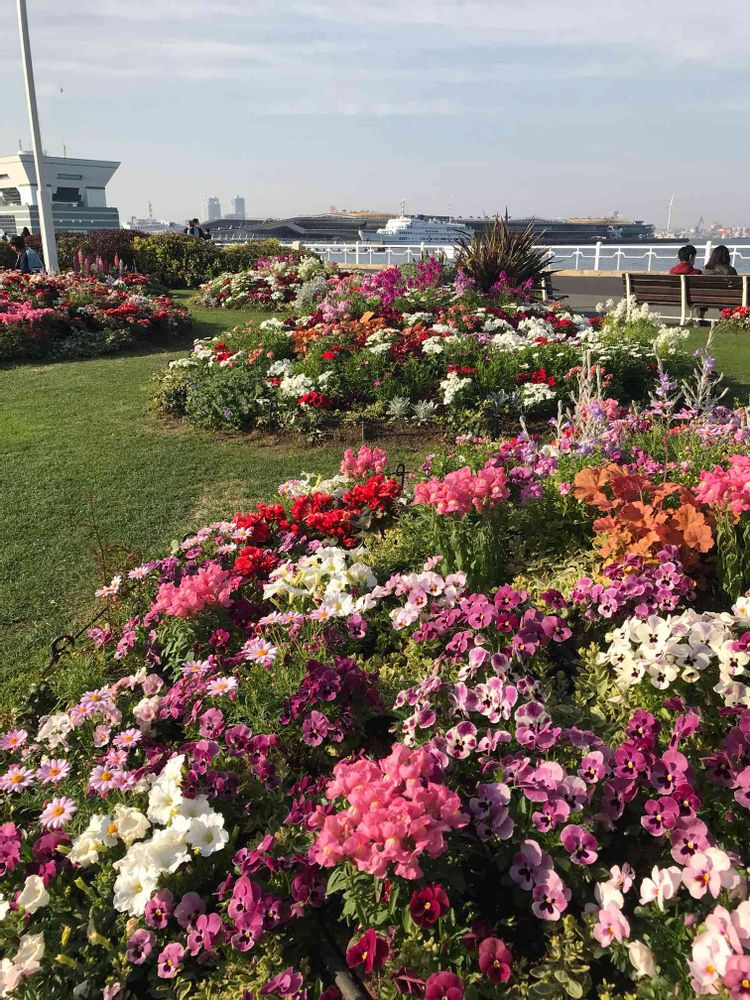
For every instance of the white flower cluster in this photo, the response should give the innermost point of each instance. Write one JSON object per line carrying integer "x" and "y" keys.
{"x": 187, "y": 824}
{"x": 534, "y": 394}
{"x": 309, "y": 484}
{"x": 686, "y": 646}
{"x": 453, "y": 385}
{"x": 295, "y": 385}
{"x": 411, "y": 319}
{"x": 325, "y": 577}
{"x": 380, "y": 341}
{"x": 280, "y": 368}
{"x": 437, "y": 344}
{"x": 669, "y": 339}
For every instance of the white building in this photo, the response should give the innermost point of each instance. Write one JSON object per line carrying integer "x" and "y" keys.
{"x": 78, "y": 190}
{"x": 211, "y": 208}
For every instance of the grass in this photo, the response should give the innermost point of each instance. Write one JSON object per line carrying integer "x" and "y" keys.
{"x": 732, "y": 354}
{"x": 86, "y": 465}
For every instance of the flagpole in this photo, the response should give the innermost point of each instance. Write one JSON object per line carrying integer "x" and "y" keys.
{"x": 44, "y": 203}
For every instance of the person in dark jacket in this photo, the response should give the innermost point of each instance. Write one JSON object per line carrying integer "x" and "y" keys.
{"x": 687, "y": 255}
{"x": 22, "y": 257}
{"x": 720, "y": 262}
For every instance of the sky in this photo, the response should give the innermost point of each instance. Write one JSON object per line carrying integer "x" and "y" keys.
{"x": 549, "y": 108}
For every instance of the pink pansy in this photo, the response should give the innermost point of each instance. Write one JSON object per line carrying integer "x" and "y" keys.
{"x": 611, "y": 926}
{"x": 709, "y": 871}
{"x": 550, "y": 897}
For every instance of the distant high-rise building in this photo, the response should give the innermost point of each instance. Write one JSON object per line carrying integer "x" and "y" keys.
{"x": 238, "y": 207}
{"x": 211, "y": 209}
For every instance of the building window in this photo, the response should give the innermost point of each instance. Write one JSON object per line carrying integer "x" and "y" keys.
{"x": 70, "y": 177}
{"x": 10, "y": 195}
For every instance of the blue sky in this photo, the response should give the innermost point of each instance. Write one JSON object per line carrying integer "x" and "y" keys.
{"x": 564, "y": 108}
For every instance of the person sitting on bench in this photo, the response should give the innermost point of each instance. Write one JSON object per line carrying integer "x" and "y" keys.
{"x": 720, "y": 262}
{"x": 687, "y": 255}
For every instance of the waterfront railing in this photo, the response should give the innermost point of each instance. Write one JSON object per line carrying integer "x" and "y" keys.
{"x": 576, "y": 257}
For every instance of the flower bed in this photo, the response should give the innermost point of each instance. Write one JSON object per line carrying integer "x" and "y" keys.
{"x": 471, "y": 762}
{"x": 72, "y": 314}
{"x": 271, "y": 283}
{"x": 390, "y": 346}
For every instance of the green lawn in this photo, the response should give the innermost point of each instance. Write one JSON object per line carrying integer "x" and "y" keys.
{"x": 732, "y": 354}
{"x": 78, "y": 446}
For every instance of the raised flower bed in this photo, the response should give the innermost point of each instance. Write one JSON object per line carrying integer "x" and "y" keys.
{"x": 476, "y": 762}
{"x": 75, "y": 314}
{"x": 408, "y": 348}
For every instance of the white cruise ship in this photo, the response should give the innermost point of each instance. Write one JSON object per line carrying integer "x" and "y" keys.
{"x": 406, "y": 229}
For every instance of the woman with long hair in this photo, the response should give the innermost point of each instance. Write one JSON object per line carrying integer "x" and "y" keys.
{"x": 719, "y": 262}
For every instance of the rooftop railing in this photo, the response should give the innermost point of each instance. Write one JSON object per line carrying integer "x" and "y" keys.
{"x": 576, "y": 257}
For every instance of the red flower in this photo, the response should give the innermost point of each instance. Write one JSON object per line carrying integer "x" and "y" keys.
{"x": 428, "y": 905}
{"x": 371, "y": 952}
{"x": 315, "y": 399}
{"x": 444, "y": 986}
{"x": 408, "y": 982}
{"x": 495, "y": 959}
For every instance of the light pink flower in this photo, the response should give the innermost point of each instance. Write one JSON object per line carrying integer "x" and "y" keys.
{"x": 58, "y": 812}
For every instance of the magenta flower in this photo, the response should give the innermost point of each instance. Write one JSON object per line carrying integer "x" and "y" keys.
{"x": 550, "y": 897}
{"x": 170, "y": 960}
{"x": 205, "y": 933}
{"x": 140, "y": 945}
{"x": 495, "y": 959}
{"x": 286, "y": 984}
{"x": 531, "y": 865}
{"x": 580, "y": 844}
{"x": 444, "y": 986}
{"x": 428, "y": 905}
{"x": 189, "y": 907}
{"x": 159, "y": 909}
{"x": 737, "y": 977}
{"x": 661, "y": 815}
{"x": 371, "y": 952}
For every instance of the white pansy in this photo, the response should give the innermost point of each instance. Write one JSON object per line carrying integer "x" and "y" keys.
{"x": 54, "y": 730}
{"x": 642, "y": 959}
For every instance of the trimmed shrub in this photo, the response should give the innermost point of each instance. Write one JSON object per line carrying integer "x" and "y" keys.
{"x": 176, "y": 260}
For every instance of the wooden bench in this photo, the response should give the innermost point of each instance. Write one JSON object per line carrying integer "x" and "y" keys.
{"x": 688, "y": 292}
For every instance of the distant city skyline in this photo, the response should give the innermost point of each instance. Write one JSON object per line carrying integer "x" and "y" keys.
{"x": 551, "y": 109}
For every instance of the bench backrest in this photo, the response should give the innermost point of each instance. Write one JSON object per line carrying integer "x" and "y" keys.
{"x": 714, "y": 291}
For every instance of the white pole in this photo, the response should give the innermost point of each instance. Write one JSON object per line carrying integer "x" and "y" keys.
{"x": 44, "y": 203}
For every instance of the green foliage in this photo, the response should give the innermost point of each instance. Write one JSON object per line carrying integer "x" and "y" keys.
{"x": 176, "y": 260}
{"x": 7, "y": 255}
{"x": 500, "y": 250}
{"x": 733, "y": 550}
{"x": 104, "y": 243}
{"x": 180, "y": 261}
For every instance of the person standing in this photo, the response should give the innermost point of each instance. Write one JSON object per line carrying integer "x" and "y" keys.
{"x": 686, "y": 265}
{"x": 194, "y": 229}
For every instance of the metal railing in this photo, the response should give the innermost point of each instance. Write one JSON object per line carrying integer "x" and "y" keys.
{"x": 578, "y": 257}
